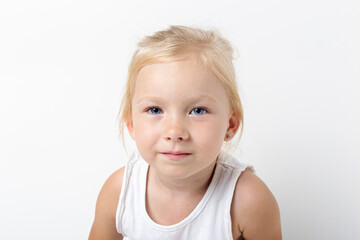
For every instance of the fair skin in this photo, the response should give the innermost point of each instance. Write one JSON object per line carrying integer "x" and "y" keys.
{"x": 176, "y": 108}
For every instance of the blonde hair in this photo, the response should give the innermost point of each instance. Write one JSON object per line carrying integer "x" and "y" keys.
{"x": 177, "y": 43}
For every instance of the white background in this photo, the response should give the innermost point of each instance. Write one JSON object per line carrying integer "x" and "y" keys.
{"x": 62, "y": 70}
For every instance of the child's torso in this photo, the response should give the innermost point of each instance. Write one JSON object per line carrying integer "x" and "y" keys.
{"x": 206, "y": 218}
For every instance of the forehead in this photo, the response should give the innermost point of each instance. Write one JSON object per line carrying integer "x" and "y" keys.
{"x": 179, "y": 79}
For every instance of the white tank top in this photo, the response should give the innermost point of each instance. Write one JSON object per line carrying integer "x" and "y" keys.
{"x": 209, "y": 220}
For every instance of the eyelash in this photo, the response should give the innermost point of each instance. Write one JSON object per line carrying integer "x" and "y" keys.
{"x": 148, "y": 110}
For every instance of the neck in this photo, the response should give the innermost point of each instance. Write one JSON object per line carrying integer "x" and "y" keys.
{"x": 192, "y": 185}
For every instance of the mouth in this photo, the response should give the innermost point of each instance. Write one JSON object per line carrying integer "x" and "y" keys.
{"x": 175, "y": 155}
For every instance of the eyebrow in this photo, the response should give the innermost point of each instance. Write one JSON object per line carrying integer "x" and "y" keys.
{"x": 190, "y": 99}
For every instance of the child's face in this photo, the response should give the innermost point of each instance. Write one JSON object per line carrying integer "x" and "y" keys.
{"x": 180, "y": 117}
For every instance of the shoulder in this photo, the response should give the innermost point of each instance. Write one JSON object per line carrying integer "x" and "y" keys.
{"x": 112, "y": 186}
{"x": 106, "y": 206}
{"x": 254, "y": 210}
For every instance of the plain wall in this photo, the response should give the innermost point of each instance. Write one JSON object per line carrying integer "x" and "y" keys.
{"x": 63, "y": 65}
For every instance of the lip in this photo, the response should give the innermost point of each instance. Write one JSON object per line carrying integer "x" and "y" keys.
{"x": 176, "y": 155}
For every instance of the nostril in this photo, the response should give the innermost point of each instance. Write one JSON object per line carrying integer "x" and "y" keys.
{"x": 174, "y": 138}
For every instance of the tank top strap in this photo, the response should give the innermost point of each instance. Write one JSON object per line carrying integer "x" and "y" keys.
{"x": 133, "y": 166}
{"x": 230, "y": 170}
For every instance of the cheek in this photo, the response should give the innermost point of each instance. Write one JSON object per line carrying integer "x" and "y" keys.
{"x": 210, "y": 136}
{"x": 145, "y": 132}
{"x": 144, "y": 140}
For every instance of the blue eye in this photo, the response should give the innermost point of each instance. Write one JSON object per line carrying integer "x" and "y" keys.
{"x": 198, "y": 111}
{"x": 154, "y": 110}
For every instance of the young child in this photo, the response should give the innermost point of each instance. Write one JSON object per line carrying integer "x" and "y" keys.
{"x": 181, "y": 104}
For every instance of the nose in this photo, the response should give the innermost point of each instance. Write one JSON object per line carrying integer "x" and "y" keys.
{"x": 175, "y": 130}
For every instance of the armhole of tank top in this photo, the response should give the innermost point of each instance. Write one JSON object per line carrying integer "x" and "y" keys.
{"x": 234, "y": 178}
{"x": 120, "y": 207}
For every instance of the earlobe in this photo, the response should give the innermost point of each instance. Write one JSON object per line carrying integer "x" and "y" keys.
{"x": 130, "y": 127}
{"x": 234, "y": 124}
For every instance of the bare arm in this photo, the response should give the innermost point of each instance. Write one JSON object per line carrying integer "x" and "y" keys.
{"x": 255, "y": 211}
{"x": 104, "y": 227}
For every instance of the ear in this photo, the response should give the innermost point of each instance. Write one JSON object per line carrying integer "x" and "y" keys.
{"x": 234, "y": 124}
{"x": 130, "y": 127}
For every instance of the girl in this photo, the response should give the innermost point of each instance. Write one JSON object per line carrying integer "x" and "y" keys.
{"x": 181, "y": 103}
